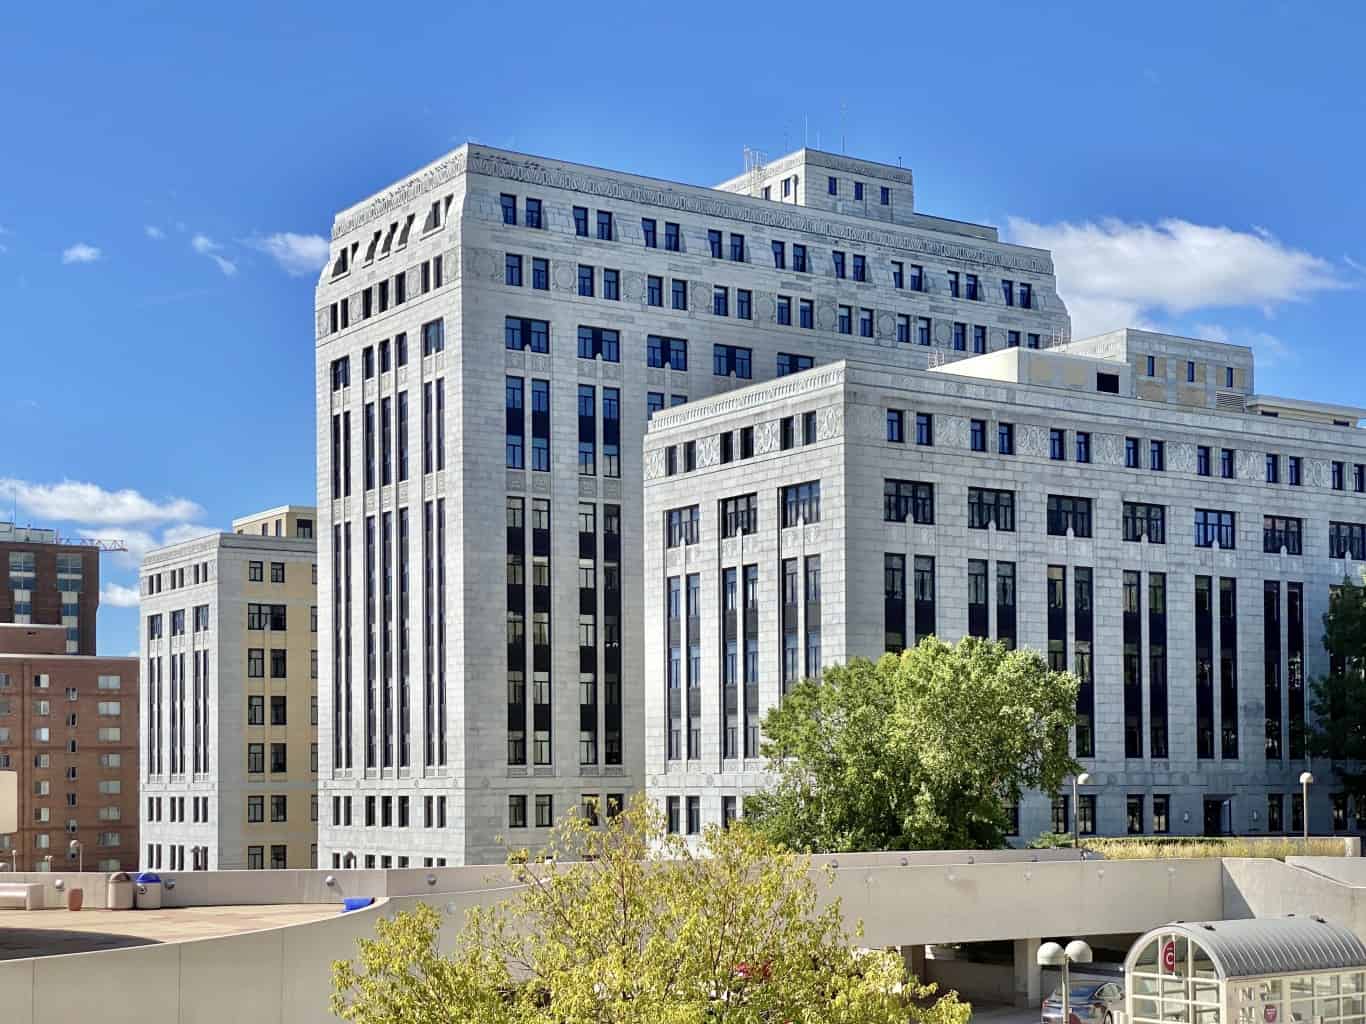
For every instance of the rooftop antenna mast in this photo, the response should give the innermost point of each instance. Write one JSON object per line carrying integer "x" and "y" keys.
{"x": 754, "y": 168}
{"x": 844, "y": 126}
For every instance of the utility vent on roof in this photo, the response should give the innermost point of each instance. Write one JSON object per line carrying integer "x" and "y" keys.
{"x": 1229, "y": 401}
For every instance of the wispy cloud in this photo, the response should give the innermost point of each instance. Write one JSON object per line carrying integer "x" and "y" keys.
{"x": 81, "y": 253}
{"x": 82, "y": 502}
{"x": 118, "y": 596}
{"x": 206, "y": 246}
{"x": 154, "y": 232}
{"x": 297, "y": 255}
{"x": 1115, "y": 273}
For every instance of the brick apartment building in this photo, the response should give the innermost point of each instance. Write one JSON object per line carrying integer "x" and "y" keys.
{"x": 50, "y": 583}
{"x": 69, "y": 727}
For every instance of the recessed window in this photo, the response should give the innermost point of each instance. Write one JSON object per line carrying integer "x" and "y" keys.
{"x": 896, "y": 429}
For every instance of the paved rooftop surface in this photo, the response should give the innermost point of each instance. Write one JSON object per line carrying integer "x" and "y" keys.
{"x": 25, "y": 933}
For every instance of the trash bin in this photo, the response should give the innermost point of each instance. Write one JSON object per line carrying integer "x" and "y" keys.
{"x": 75, "y": 897}
{"x": 118, "y": 891}
{"x": 148, "y": 891}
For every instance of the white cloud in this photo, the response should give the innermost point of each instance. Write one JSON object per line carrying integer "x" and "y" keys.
{"x": 297, "y": 255}
{"x": 154, "y": 232}
{"x": 81, "y": 253}
{"x": 1114, "y": 273}
{"x": 82, "y": 502}
{"x": 117, "y": 595}
{"x": 206, "y": 246}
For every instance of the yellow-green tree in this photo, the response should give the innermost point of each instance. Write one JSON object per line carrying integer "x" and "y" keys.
{"x": 639, "y": 929}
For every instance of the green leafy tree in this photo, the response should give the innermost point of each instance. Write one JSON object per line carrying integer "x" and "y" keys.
{"x": 925, "y": 750}
{"x": 642, "y": 930}
{"x": 1338, "y": 699}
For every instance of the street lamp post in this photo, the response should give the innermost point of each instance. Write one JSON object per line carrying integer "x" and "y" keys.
{"x": 79, "y": 847}
{"x": 1053, "y": 955}
{"x": 1305, "y": 779}
{"x": 1077, "y": 780}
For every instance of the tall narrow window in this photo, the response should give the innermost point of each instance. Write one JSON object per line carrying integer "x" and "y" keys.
{"x": 1005, "y": 603}
{"x": 386, "y": 465}
{"x": 924, "y": 597}
{"x": 1133, "y": 664}
{"x": 516, "y": 423}
{"x": 588, "y": 430}
{"x": 894, "y": 603}
{"x": 1228, "y": 667}
{"x": 403, "y": 435}
{"x": 978, "y": 614}
{"x": 1294, "y": 664}
{"x": 1204, "y": 667}
{"x": 540, "y": 426}
{"x": 1271, "y": 666}
{"x": 1083, "y": 661}
{"x": 1157, "y": 665}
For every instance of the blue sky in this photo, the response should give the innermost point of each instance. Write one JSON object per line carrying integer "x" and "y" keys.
{"x": 168, "y": 172}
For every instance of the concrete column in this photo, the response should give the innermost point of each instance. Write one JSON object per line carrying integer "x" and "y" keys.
{"x": 914, "y": 957}
{"x": 1028, "y": 973}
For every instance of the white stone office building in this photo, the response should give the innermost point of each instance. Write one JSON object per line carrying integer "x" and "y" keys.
{"x": 480, "y": 516}
{"x": 1127, "y": 504}
{"x": 229, "y": 753}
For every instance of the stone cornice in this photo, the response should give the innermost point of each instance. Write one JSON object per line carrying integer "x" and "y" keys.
{"x": 1028, "y": 402}
{"x": 689, "y": 199}
{"x": 400, "y": 195}
{"x": 759, "y": 394}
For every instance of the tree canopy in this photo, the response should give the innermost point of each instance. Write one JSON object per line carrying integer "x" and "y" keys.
{"x": 643, "y": 930}
{"x": 1338, "y": 699}
{"x": 925, "y": 750}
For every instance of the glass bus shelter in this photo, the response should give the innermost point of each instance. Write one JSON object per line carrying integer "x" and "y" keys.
{"x": 1290, "y": 970}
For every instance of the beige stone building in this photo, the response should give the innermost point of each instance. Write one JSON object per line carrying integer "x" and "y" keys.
{"x": 229, "y": 663}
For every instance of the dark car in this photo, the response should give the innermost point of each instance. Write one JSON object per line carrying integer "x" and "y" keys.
{"x": 1088, "y": 1002}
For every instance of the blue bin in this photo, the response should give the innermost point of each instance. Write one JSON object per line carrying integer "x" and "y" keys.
{"x": 356, "y": 903}
{"x": 147, "y": 891}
